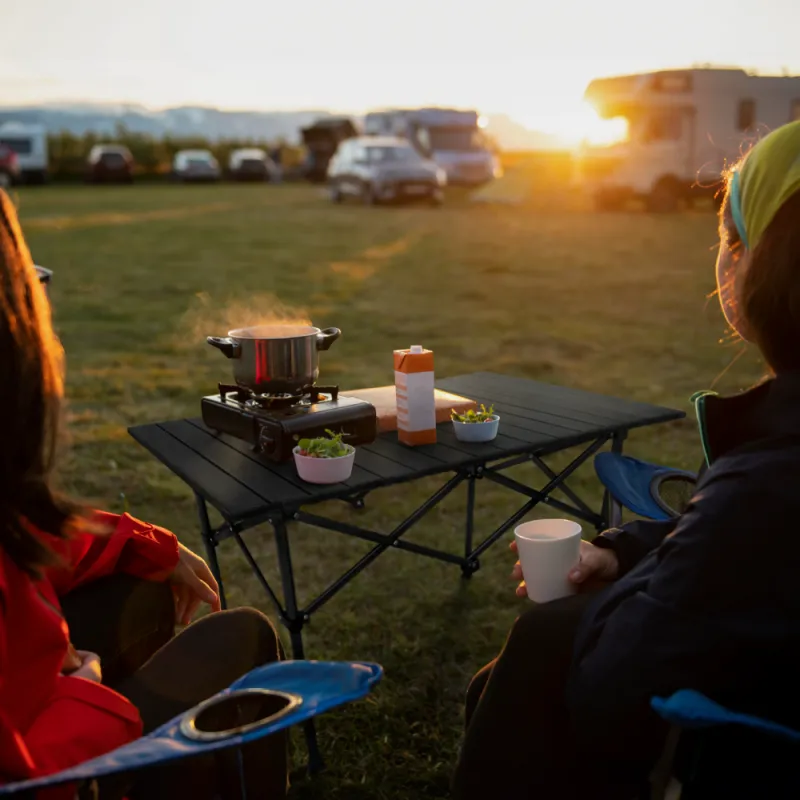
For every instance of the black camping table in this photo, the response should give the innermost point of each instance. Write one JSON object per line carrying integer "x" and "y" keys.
{"x": 537, "y": 420}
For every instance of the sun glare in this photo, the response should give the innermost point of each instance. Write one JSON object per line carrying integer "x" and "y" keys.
{"x": 582, "y": 125}
{"x": 591, "y": 128}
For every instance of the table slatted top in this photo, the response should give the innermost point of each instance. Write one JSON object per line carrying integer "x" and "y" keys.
{"x": 535, "y": 418}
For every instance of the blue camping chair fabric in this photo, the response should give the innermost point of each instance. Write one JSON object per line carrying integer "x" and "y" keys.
{"x": 649, "y": 490}
{"x": 764, "y": 767}
{"x": 313, "y": 686}
{"x": 689, "y": 709}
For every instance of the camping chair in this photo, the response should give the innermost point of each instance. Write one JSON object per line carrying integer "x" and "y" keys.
{"x": 651, "y": 491}
{"x": 45, "y": 276}
{"x": 715, "y": 752}
{"x": 266, "y": 700}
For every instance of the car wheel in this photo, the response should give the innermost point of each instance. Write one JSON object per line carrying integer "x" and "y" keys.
{"x": 336, "y": 193}
{"x": 605, "y": 202}
{"x": 368, "y": 195}
{"x": 666, "y": 196}
{"x": 5, "y": 180}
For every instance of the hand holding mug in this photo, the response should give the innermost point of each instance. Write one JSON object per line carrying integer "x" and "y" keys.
{"x": 596, "y": 564}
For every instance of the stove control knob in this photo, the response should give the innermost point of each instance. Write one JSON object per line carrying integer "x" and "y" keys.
{"x": 265, "y": 442}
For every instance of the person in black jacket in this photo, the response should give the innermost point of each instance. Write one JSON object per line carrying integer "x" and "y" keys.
{"x": 708, "y": 601}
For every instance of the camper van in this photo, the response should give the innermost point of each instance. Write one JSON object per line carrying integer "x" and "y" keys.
{"x": 684, "y": 128}
{"x": 452, "y": 138}
{"x": 29, "y": 142}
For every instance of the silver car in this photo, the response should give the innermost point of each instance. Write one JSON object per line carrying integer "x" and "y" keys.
{"x": 384, "y": 170}
{"x": 195, "y": 165}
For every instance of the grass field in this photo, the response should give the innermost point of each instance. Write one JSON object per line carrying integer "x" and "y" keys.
{"x": 618, "y": 304}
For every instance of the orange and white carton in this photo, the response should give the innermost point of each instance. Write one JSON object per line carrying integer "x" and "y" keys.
{"x": 416, "y": 403}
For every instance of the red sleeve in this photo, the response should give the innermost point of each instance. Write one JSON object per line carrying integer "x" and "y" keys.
{"x": 15, "y": 760}
{"x": 132, "y": 547}
{"x": 83, "y": 720}
{"x": 80, "y": 720}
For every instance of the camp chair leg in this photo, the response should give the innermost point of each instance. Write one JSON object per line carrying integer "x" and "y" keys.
{"x": 316, "y": 763}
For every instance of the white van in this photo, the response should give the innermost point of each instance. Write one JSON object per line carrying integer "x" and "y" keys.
{"x": 29, "y": 142}
{"x": 452, "y": 138}
{"x": 684, "y": 128}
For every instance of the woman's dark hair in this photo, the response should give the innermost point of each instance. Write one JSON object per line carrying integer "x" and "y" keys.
{"x": 769, "y": 296}
{"x": 31, "y": 388}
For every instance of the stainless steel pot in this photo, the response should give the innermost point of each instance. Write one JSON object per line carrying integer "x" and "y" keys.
{"x": 275, "y": 359}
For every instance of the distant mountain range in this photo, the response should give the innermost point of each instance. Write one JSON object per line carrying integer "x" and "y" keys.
{"x": 214, "y": 124}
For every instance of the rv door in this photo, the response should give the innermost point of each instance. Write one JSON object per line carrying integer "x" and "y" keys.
{"x": 666, "y": 136}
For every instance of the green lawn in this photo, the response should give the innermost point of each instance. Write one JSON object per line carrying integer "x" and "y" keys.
{"x": 619, "y": 304}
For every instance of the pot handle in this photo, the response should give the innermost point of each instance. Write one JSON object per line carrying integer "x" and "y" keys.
{"x": 229, "y": 347}
{"x": 327, "y": 337}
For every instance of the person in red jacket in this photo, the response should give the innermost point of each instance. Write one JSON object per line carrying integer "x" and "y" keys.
{"x": 57, "y": 708}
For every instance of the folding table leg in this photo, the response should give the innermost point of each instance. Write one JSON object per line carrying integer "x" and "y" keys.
{"x": 295, "y": 621}
{"x": 470, "y": 566}
{"x": 210, "y": 542}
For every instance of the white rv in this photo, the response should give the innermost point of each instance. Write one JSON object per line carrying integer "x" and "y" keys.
{"x": 684, "y": 128}
{"x": 452, "y": 138}
{"x": 29, "y": 142}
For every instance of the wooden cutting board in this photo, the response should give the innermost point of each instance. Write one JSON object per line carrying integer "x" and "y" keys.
{"x": 385, "y": 402}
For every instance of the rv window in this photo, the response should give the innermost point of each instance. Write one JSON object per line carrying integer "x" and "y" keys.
{"x": 457, "y": 139}
{"x": 673, "y": 82}
{"x": 665, "y": 127}
{"x": 795, "y": 110}
{"x": 22, "y": 147}
{"x": 747, "y": 115}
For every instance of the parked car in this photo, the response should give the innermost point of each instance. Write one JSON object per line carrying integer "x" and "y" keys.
{"x": 453, "y": 138}
{"x": 252, "y": 164}
{"x": 195, "y": 165}
{"x": 384, "y": 169}
{"x": 29, "y": 143}
{"x": 9, "y": 167}
{"x": 109, "y": 163}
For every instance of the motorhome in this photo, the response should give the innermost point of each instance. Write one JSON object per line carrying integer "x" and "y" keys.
{"x": 684, "y": 128}
{"x": 452, "y": 138}
{"x": 29, "y": 142}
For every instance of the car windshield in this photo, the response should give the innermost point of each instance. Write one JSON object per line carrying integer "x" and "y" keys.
{"x": 460, "y": 140}
{"x": 22, "y": 147}
{"x": 392, "y": 155}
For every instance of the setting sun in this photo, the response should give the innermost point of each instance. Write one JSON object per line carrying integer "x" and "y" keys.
{"x": 580, "y": 124}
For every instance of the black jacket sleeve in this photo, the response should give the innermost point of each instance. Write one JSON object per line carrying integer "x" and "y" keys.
{"x": 715, "y": 609}
{"x": 634, "y": 540}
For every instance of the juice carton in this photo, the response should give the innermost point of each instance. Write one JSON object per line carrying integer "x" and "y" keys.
{"x": 416, "y": 404}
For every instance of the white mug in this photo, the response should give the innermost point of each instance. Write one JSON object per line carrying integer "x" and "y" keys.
{"x": 548, "y": 550}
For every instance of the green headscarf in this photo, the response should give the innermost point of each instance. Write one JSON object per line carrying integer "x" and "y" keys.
{"x": 766, "y": 178}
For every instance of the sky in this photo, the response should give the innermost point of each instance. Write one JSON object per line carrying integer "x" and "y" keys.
{"x": 531, "y": 59}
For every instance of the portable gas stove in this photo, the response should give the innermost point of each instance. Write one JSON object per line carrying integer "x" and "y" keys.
{"x": 274, "y": 424}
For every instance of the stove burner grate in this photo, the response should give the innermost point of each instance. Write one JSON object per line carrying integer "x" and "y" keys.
{"x": 306, "y": 395}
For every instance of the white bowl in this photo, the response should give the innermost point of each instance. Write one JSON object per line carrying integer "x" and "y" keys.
{"x": 325, "y": 470}
{"x": 477, "y": 431}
